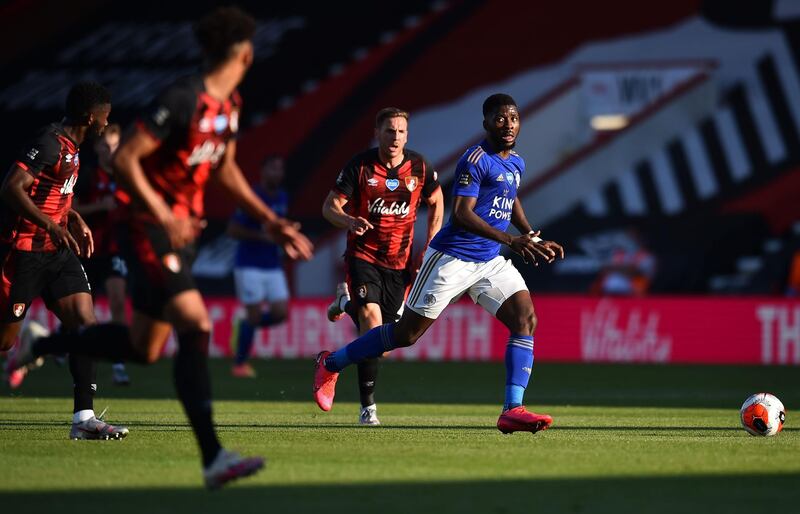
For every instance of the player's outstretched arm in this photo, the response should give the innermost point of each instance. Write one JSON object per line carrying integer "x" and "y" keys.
{"x": 333, "y": 211}
{"x": 519, "y": 219}
{"x": 105, "y": 204}
{"x": 81, "y": 232}
{"x": 435, "y": 213}
{"x": 129, "y": 172}
{"x": 550, "y": 248}
{"x": 284, "y": 232}
{"x": 287, "y": 234}
{"x": 464, "y": 215}
{"x": 233, "y": 181}
{"x": 242, "y": 233}
{"x": 14, "y": 193}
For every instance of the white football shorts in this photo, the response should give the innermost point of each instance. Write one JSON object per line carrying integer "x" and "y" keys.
{"x": 256, "y": 285}
{"x": 442, "y": 279}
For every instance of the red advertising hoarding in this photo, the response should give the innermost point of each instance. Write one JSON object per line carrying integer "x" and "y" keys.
{"x": 707, "y": 330}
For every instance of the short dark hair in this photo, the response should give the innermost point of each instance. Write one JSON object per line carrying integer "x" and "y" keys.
{"x": 83, "y": 96}
{"x": 495, "y": 101}
{"x": 218, "y": 32}
{"x": 389, "y": 112}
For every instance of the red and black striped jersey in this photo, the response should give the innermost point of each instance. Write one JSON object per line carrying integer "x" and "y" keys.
{"x": 194, "y": 129}
{"x": 52, "y": 160}
{"x": 388, "y": 198}
{"x": 92, "y": 187}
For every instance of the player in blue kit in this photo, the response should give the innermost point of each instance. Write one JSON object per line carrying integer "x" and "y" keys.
{"x": 257, "y": 270}
{"x": 464, "y": 258}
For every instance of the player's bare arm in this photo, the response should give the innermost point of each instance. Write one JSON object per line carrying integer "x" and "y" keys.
{"x": 238, "y": 231}
{"x": 127, "y": 162}
{"x": 520, "y": 221}
{"x": 230, "y": 177}
{"x": 81, "y": 232}
{"x": 464, "y": 215}
{"x": 105, "y": 204}
{"x": 435, "y": 213}
{"x": 333, "y": 211}
{"x": 283, "y": 231}
{"x": 14, "y": 193}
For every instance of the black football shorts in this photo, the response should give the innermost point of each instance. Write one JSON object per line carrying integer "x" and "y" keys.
{"x": 28, "y": 275}
{"x": 370, "y": 283}
{"x": 157, "y": 273}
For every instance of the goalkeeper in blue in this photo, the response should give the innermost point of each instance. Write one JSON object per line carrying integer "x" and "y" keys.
{"x": 464, "y": 257}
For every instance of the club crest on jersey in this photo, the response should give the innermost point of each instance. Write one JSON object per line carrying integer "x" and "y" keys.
{"x": 220, "y": 123}
{"x": 429, "y": 299}
{"x": 392, "y": 183}
{"x": 372, "y": 182}
{"x": 172, "y": 262}
{"x": 411, "y": 183}
{"x": 18, "y": 310}
{"x": 509, "y": 177}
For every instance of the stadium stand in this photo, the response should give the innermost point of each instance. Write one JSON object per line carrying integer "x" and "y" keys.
{"x": 732, "y": 158}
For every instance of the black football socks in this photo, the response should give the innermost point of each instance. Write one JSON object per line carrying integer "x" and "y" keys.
{"x": 84, "y": 381}
{"x": 367, "y": 374}
{"x": 193, "y": 384}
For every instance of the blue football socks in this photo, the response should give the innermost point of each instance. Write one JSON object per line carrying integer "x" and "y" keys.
{"x": 246, "y": 335}
{"x": 266, "y": 320}
{"x": 370, "y": 345}
{"x": 245, "y": 341}
{"x": 519, "y": 364}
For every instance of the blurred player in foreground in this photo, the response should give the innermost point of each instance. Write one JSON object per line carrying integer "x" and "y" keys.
{"x": 186, "y": 139}
{"x": 464, "y": 258}
{"x": 41, "y": 237}
{"x": 376, "y": 198}
{"x": 102, "y": 204}
{"x": 258, "y": 270}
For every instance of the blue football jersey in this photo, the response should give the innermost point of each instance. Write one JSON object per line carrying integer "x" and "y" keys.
{"x": 258, "y": 254}
{"x": 494, "y": 181}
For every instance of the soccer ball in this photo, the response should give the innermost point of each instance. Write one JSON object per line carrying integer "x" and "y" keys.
{"x": 762, "y": 414}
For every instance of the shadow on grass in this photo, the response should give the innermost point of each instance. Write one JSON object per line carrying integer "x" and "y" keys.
{"x": 694, "y": 494}
{"x": 460, "y": 383}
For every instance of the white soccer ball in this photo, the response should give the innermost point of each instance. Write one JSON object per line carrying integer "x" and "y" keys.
{"x": 762, "y": 414}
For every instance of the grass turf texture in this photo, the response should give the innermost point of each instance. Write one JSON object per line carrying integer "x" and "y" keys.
{"x": 625, "y": 439}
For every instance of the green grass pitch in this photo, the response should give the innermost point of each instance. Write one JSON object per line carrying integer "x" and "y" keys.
{"x": 626, "y": 438}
